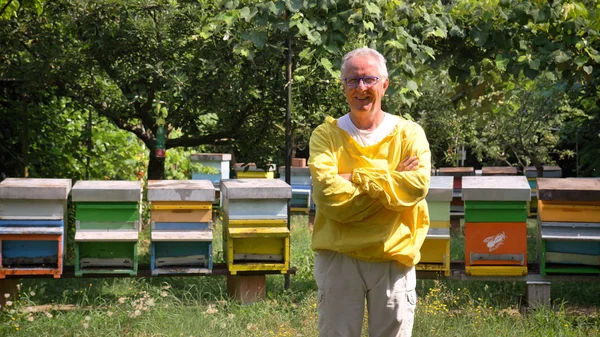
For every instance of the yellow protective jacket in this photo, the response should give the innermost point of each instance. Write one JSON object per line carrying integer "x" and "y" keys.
{"x": 382, "y": 214}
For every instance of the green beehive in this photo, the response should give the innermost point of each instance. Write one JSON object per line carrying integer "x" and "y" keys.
{"x": 495, "y": 211}
{"x": 106, "y": 237}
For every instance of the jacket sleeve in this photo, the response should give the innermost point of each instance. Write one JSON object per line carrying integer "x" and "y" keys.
{"x": 337, "y": 198}
{"x": 398, "y": 190}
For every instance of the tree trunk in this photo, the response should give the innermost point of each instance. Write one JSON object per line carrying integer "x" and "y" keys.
{"x": 156, "y": 167}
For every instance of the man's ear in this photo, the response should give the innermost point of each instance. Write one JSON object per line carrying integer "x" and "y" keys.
{"x": 386, "y": 83}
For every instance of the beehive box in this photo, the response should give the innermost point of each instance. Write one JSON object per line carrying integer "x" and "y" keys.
{"x": 251, "y": 171}
{"x": 435, "y": 252}
{"x": 33, "y": 214}
{"x": 255, "y": 232}
{"x": 531, "y": 173}
{"x": 569, "y": 213}
{"x": 181, "y": 233}
{"x": 301, "y": 183}
{"x": 457, "y": 204}
{"x": 106, "y": 237}
{"x": 570, "y": 248}
{"x": 568, "y": 199}
{"x": 495, "y": 225}
{"x": 213, "y": 166}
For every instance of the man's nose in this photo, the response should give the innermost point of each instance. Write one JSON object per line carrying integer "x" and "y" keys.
{"x": 361, "y": 84}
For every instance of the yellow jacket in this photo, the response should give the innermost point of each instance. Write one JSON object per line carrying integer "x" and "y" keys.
{"x": 382, "y": 214}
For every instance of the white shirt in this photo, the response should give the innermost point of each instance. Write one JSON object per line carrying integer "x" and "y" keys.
{"x": 368, "y": 138}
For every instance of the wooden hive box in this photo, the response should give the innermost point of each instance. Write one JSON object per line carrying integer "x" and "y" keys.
{"x": 568, "y": 199}
{"x": 495, "y": 225}
{"x": 435, "y": 252}
{"x": 570, "y": 248}
{"x": 181, "y": 235}
{"x": 108, "y": 214}
{"x": 33, "y": 214}
{"x": 301, "y": 183}
{"x": 255, "y": 232}
{"x": 569, "y": 210}
{"x": 251, "y": 171}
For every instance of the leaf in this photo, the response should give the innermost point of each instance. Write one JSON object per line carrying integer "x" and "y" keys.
{"x": 581, "y": 60}
{"x": 258, "y": 38}
{"x": 369, "y": 25}
{"x": 307, "y": 53}
{"x": 372, "y": 8}
{"x": 412, "y": 85}
{"x": 479, "y": 36}
{"x": 588, "y": 69}
{"x": 501, "y": 62}
{"x": 294, "y": 5}
{"x": 239, "y": 49}
{"x": 530, "y": 73}
{"x": 244, "y": 13}
{"x": 534, "y": 64}
{"x": 560, "y": 56}
{"x": 395, "y": 44}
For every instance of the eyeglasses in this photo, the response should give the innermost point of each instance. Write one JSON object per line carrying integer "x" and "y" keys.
{"x": 368, "y": 81}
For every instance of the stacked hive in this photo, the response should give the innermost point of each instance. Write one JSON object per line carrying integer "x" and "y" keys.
{"x": 435, "y": 252}
{"x": 496, "y": 225}
{"x": 255, "y": 232}
{"x": 108, "y": 222}
{"x": 301, "y": 183}
{"x": 33, "y": 216}
{"x": 181, "y": 226}
{"x": 569, "y": 213}
{"x": 251, "y": 171}
{"x": 457, "y": 205}
{"x": 531, "y": 174}
{"x": 212, "y": 167}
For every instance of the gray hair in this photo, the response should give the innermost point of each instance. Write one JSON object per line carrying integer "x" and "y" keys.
{"x": 362, "y": 52}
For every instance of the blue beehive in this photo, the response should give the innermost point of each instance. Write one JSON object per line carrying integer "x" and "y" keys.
{"x": 33, "y": 214}
{"x": 301, "y": 183}
{"x": 182, "y": 234}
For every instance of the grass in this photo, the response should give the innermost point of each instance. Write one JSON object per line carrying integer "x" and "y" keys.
{"x": 199, "y": 306}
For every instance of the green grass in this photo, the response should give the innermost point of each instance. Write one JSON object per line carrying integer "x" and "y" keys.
{"x": 199, "y": 306}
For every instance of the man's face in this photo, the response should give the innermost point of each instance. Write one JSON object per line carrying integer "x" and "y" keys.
{"x": 363, "y": 98}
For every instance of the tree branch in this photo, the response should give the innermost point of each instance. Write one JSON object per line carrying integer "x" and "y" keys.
{"x": 5, "y": 7}
{"x": 200, "y": 140}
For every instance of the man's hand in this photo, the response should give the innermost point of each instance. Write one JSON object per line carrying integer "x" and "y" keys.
{"x": 408, "y": 164}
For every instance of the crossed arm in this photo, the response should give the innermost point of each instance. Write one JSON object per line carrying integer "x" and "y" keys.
{"x": 408, "y": 164}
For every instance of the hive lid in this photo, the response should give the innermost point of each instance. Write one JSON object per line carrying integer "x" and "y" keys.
{"x": 35, "y": 188}
{"x": 241, "y": 167}
{"x": 549, "y": 172}
{"x": 106, "y": 190}
{"x": 456, "y": 171}
{"x": 440, "y": 188}
{"x": 255, "y": 189}
{"x": 181, "y": 190}
{"x": 210, "y": 157}
{"x": 499, "y": 171}
{"x": 568, "y": 189}
{"x": 295, "y": 171}
{"x": 496, "y": 188}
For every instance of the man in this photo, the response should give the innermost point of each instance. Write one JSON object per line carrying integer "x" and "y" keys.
{"x": 370, "y": 173}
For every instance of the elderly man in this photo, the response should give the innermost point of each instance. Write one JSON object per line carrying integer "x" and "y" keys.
{"x": 371, "y": 173}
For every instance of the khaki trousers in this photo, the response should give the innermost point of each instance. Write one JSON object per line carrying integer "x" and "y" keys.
{"x": 344, "y": 283}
